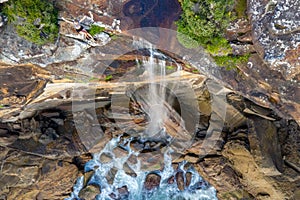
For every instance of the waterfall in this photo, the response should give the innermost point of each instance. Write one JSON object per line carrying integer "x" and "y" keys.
{"x": 155, "y": 69}
{"x": 112, "y": 170}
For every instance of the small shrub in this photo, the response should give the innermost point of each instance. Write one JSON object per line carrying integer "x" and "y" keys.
{"x": 28, "y": 15}
{"x": 108, "y": 77}
{"x": 96, "y": 29}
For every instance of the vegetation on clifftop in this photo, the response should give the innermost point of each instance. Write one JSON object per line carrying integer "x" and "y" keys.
{"x": 204, "y": 22}
{"x": 34, "y": 20}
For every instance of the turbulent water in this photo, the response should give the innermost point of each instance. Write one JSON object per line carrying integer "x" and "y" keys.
{"x": 198, "y": 189}
{"x": 111, "y": 175}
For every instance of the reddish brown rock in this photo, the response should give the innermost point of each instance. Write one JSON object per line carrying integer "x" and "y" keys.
{"x": 188, "y": 178}
{"x": 180, "y": 180}
{"x": 152, "y": 181}
{"x": 63, "y": 176}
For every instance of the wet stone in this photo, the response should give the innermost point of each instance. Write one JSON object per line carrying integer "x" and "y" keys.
{"x": 151, "y": 161}
{"x": 81, "y": 160}
{"x": 119, "y": 152}
{"x": 188, "y": 178}
{"x": 175, "y": 166}
{"x": 180, "y": 180}
{"x": 171, "y": 180}
{"x": 87, "y": 177}
{"x": 132, "y": 159}
{"x": 199, "y": 185}
{"x": 113, "y": 196}
{"x": 152, "y": 181}
{"x": 136, "y": 146}
{"x": 89, "y": 192}
{"x": 111, "y": 175}
{"x": 128, "y": 170}
{"x": 187, "y": 166}
{"x": 106, "y": 158}
{"x": 123, "y": 192}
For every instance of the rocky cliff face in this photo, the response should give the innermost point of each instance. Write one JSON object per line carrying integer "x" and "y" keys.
{"x": 275, "y": 28}
{"x": 275, "y": 31}
{"x": 256, "y": 155}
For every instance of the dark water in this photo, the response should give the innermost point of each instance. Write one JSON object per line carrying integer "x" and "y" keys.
{"x": 152, "y": 13}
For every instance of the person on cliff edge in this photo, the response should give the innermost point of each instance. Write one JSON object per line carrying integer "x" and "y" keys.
{"x": 79, "y": 28}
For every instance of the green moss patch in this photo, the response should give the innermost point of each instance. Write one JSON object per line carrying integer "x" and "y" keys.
{"x": 230, "y": 61}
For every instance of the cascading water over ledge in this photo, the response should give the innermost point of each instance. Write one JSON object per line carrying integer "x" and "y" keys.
{"x": 137, "y": 163}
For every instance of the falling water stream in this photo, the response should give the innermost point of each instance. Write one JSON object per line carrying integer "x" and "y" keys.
{"x": 110, "y": 175}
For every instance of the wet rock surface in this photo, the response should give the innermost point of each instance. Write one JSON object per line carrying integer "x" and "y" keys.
{"x": 152, "y": 181}
{"x": 89, "y": 192}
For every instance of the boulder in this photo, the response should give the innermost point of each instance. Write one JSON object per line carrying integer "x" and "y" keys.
{"x": 89, "y": 192}
{"x": 152, "y": 181}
